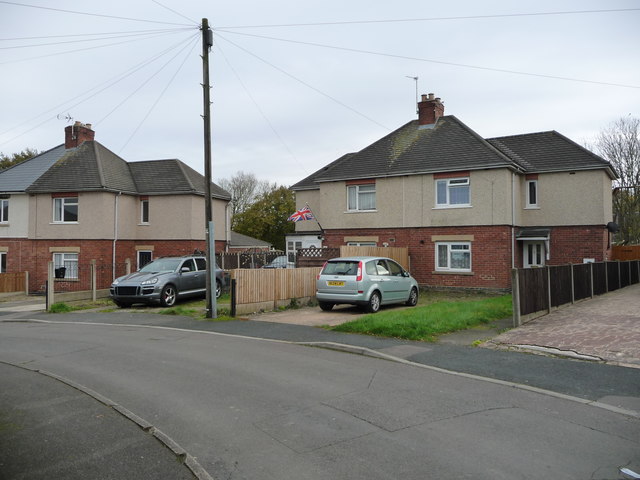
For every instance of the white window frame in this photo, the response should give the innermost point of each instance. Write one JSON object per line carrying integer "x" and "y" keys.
{"x": 4, "y": 205}
{"x": 451, "y": 183}
{"x": 68, "y": 260}
{"x": 144, "y": 202}
{"x": 529, "y": 203}
{"x": 362, "y": 244}
{"x": 538, "y": 250}
{"x": 448, "y": 245}
{"x": 361, "y": 189}
{"x": 59, "y": 204}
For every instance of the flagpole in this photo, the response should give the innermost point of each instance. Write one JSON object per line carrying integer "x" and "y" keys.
{"x": 315, "y": 217}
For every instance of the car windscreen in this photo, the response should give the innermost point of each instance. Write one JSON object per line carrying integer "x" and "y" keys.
{"x": 162, "y": 265}
{"x": 341, "y": 267}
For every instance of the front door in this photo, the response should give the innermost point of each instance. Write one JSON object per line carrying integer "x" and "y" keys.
{"x": 534, "y": 254}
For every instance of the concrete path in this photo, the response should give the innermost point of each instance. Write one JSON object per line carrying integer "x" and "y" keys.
{"x": 605, "y": 328}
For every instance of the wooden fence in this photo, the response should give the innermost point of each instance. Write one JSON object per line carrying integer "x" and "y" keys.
{"x": 269, "y": 288}
{"x": 14, "y": 282}
{"x": 536, "y": 291}
{"x": 625, "y": 252}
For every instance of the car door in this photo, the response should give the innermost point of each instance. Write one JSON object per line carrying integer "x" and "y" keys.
{"x": 188, "y": 279}
{"x": 383, "y": 278}
{"x": 399, "y": 283}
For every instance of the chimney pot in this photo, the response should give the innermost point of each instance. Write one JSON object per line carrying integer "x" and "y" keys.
{"x": 431, "y": 96}
{"x": 424, "y": 97}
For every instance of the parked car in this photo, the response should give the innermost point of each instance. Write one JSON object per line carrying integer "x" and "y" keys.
{"x": 165, "y": 280}
{"x": 280, "y": 262}
{"x": 366, "y": 281}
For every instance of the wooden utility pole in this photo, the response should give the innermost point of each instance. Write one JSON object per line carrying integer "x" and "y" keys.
{"x": 207, "y": 43}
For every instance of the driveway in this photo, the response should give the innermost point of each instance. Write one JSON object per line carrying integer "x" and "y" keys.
{"x": 605, "y": 328}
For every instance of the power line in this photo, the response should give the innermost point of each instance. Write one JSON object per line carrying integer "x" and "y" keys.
{"x": 177, "y": 13}
{"x": 305, "y": 83}
{"x": 159, "y": 96}
{"x": 85, "y": 49}
{"x": 432, "y": 19}
{"x": 418, "y": 59}
{"x": 75, "y": 12}
{"x": 161, "y": 30}
{"x": 84, "y": 40}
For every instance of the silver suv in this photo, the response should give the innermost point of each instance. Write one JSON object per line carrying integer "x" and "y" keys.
{"x": 366, "y": 281}
{"x": 165, "y": 280}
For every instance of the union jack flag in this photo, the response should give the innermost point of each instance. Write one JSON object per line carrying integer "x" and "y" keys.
{"x": 302, "y": 214}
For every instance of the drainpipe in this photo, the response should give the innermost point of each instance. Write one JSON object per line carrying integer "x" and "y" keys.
{"x": 513, "y": 220}
{"x": 115, "y": 236}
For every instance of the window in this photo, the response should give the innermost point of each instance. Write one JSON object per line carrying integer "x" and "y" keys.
{"x": 532, "y": 193}
{"x": 454, "y": 257}
{"x": 66, "y": 265}
{"x": 362, "y": 244}
{"x": 534, "y": 254}
{"x": 144, "y": 210}
{"x": 452, "y": 192}
{"x": 3, "y": 262}
{"x": 361, "y": 197}
{"x": 65, "y": 209}
{"x": 4, "y": 210}
{"x": 144, "y": 257}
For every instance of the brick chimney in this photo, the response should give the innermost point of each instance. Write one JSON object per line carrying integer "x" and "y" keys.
{"x": 76, "y": 134}
{"x": 430, "y": 109}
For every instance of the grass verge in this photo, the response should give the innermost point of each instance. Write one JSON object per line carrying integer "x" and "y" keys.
{"x": 425, "y": 323}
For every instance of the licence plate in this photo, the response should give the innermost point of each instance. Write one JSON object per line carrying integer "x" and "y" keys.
{"x": 335, "y": 283}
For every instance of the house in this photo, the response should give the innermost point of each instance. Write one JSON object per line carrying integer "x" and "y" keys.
{"x": 79, "y": 202}
{"x": 242, "y": 243}
{"x": 468, "y": 209}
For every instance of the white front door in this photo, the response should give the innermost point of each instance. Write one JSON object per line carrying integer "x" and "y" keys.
{"x": 534, "y": 254}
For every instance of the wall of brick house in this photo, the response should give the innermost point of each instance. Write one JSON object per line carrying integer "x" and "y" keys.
{"x": 490, "y": 253}
{"x": 34, "y": 255}
{"x": 573, "y": 244}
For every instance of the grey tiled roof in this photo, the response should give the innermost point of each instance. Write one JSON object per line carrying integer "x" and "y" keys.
{"x": 240, "y": 240}
{"x": 447, "y": 146}
{"x": 91, "y": 167}
{"x": 549, "y": 152}
{"x": 18, "y": 177}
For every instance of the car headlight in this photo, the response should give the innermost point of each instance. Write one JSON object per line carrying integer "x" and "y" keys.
{"x": 151, "y": 281}
{"x": 116, "y": 281}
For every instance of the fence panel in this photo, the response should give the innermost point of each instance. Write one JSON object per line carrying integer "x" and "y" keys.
{"x": 399, "y": 254}
{"x": 625, "y": 271}
{"x": 533, "y": 290}
{"x": 231, "y": 261}
{"x": 582, "y": 281}
{"x": 560, "y": 286}
{"x": 625, "y": 252}
{"x": 599, "y": 278}
{"x": 635, "y": 271}
{"x": 315, "y": 257}
{"x": 72, "y": 277}
{"x": 13, "y": 282}
{"x": 271, "y": 285}
{"x": 613, "y": 279}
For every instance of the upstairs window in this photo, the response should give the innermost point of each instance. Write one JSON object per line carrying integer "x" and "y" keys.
{"x": 4, "y": 210}
{"x": 144, "y": 210}
{"x": 452, "y": 192}
{"x": 65, "y": 210}
{"x": 361, "y": 197}
{"x": 532, "y": 193}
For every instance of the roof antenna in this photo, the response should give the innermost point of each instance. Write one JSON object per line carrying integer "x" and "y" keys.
{"x": 66, "y": 117}
{"x": 416, "y": 80}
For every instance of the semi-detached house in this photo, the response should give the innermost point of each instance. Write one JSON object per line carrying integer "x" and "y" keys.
{"x": 467, "y": 208}
{"x": 79, "y": 202}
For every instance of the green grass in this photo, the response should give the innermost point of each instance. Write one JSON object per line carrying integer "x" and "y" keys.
{"x": 427, "y": 322}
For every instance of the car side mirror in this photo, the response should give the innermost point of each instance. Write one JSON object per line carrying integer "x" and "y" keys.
{"x": 185, "y": 269}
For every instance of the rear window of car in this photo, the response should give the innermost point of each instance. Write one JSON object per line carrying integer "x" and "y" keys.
{"x": 341, "y": 268}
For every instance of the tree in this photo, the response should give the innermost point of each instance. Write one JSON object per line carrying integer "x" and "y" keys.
{"x": 7, "y": 161}
{"x": 619, "y": 143}
{"x": 244, "y": 188}
{"x": 266, "y": 219}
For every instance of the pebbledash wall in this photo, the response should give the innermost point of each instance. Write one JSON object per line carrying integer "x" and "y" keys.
{"x": 34, "y": 255}
{"x": 491, "y": 257}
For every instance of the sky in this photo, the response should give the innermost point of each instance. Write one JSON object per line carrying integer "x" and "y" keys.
{"x": 295, "y": 85}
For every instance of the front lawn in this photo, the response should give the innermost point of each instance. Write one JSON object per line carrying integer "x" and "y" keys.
{"x": 426, "y": 322}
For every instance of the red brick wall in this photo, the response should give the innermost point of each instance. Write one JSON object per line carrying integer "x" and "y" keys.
{"x": 34, "y": 255}
{"x": 490, "y": 253}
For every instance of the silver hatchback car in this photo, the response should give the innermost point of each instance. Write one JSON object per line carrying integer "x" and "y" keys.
{"x": 366, "y": 281}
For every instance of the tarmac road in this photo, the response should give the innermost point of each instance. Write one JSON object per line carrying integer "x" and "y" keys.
{"x": 248, "y": 408}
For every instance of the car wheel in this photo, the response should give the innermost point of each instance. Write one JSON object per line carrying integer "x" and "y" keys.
{"x": 373, "y": 305}
{"x": 325, "y": 306}
{"x": 168, "y": 296}
{"x": 122, "y": 304}
{"x": 412, "y": 301}
{"x": 218, "y": 289}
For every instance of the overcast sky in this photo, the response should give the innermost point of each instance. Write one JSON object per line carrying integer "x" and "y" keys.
{"x": 284, "y": 103}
